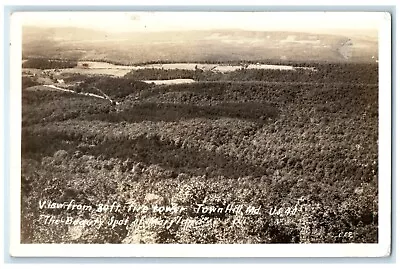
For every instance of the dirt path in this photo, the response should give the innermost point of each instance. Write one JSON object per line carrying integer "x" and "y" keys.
{"x": 105, "y": 97}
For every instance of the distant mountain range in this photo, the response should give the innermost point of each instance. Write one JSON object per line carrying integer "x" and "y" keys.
{"x": 216, "y": 45}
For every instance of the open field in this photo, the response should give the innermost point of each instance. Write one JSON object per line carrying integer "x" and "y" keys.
{"x": 213, "y": 46}
{"x": 297, "y": 149}
{"x": 104, "y": 68}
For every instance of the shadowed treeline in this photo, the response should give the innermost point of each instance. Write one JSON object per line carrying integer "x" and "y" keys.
{"x": 174, "y": 112}
{"x": 150, "y": 150}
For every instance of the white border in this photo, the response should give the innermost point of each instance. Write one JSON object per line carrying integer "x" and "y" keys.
{"x": 219, "y": 250}
{"x": 15, "y": 118}
{"x": 385, "y": 129}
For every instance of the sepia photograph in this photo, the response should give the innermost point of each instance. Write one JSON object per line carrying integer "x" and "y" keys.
{"x": 200, "y": 128}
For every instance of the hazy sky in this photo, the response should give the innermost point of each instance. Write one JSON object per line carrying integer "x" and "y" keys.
{"x": 163, "y": 21}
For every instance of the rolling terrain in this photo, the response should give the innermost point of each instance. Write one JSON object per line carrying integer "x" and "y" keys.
{"x": 192, "y": 46}
{"x": 223, "y": 136}
{"x": 299, "y": 147}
